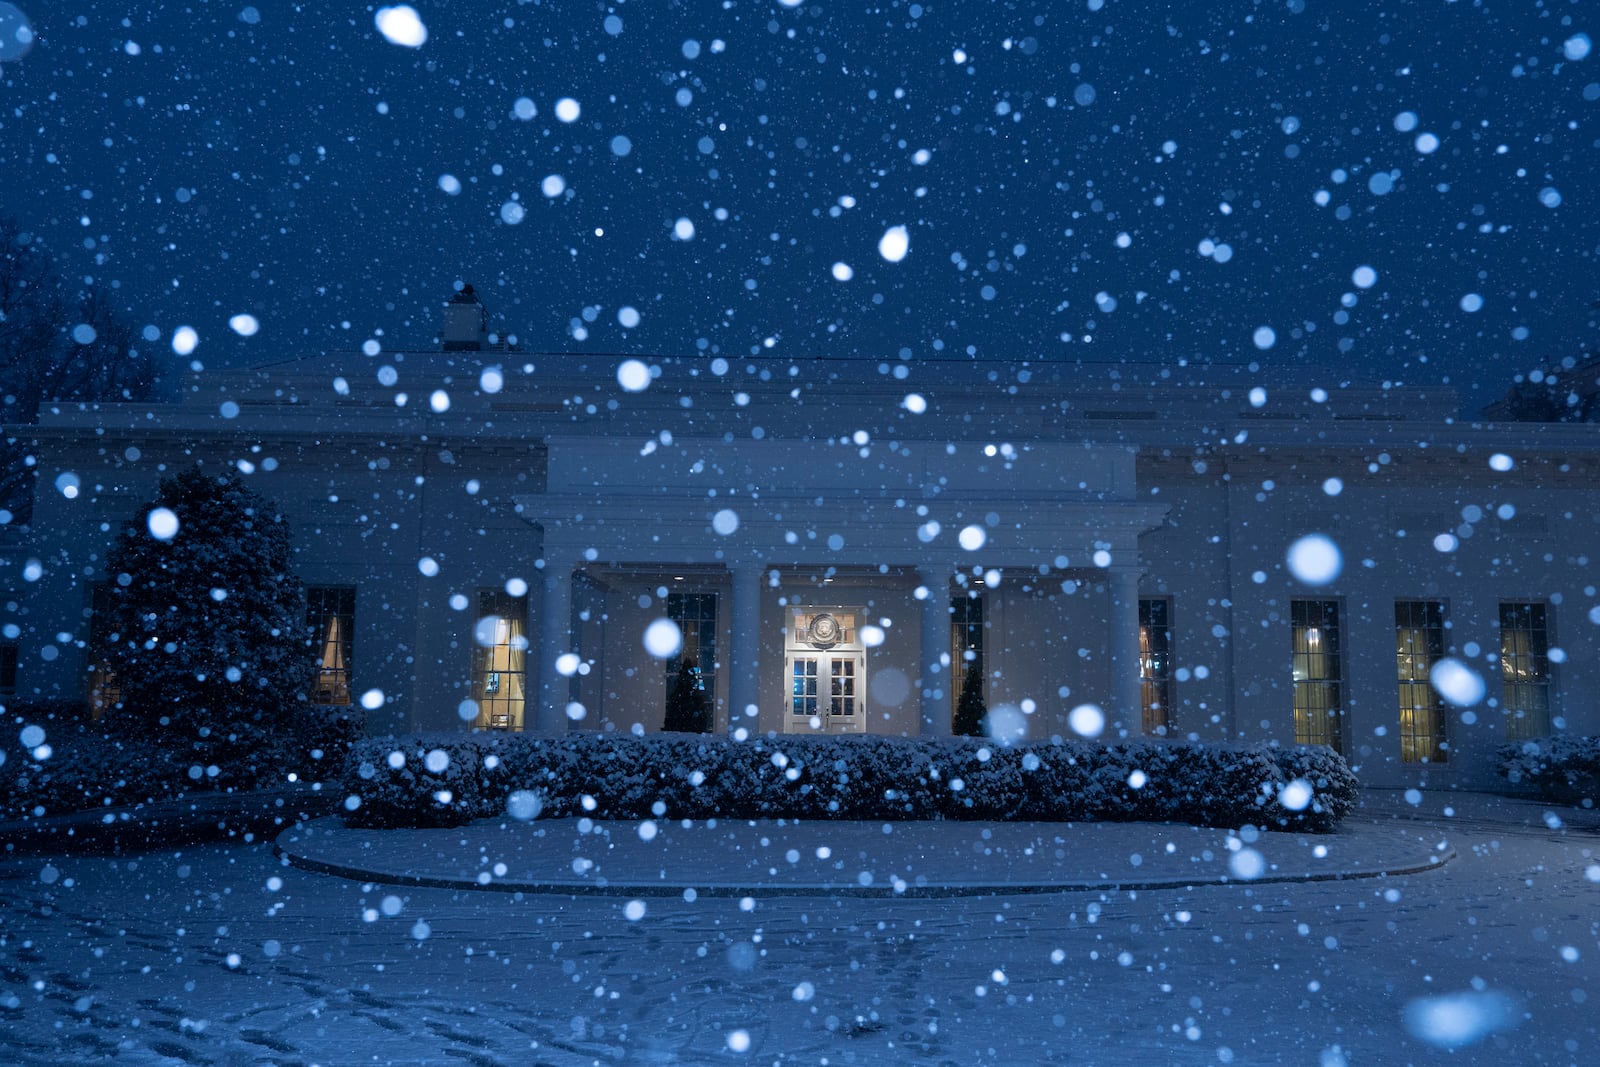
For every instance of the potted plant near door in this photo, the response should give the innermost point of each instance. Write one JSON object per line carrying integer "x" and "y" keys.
{"x": 970, "y": 709}
{"x": 688, "y": 710}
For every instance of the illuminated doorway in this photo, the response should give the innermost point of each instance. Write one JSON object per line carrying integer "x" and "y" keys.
{"x": 825, "y": 668}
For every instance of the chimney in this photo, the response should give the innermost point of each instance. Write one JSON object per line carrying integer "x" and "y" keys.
{"x": 466, "y": 323}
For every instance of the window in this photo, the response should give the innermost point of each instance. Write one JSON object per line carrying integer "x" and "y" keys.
{"x": 1418, "y": 645}
{"x": 8, "y": 669}
{"x": 1318, "y": 679}
{"x": 104, "y": 692}
{"x": 842, "y": 699}
{"x": 1525, "y": 670}
{"x": 966, "y": 641}
{"x": 1155, "y": 665}
{"x": 500, "y": 661}
{"x": 696, "y": 616}
{"x": 331, "y": 620}
{"x": 803, "y": 687}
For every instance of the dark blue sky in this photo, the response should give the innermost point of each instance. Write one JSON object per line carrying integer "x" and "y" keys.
{"x": 285, "y": 160}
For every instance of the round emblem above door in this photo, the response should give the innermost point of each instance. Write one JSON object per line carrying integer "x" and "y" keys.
{"x": 824, "y": 631}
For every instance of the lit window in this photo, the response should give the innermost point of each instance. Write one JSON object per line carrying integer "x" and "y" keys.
{"x": 1525, "y": 670}
{"x": 1418, "y": 645}
{"x": 1318, "y": 677}
{"x": 331, "y": 620}
{"x": 500, "y": 660}
{"x": 1155, "y": 665}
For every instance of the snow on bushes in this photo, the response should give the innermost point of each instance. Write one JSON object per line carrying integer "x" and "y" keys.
{"x": 447, "y": 780}
{"x": 80, "y": 766}
{"x": 1564, "y": 769}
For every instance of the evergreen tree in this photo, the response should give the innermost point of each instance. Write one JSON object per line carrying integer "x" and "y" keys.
{"x": 688, "y": 710}
{"x": 206, "y": 630}
{"x": 970, "y": 709}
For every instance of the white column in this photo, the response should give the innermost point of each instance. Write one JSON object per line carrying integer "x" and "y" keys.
{"x": 1123, "y": 642}
{"x": 555, "y": 638}
{"x": 934, "y": 681}
{"x": 744, "y": 661}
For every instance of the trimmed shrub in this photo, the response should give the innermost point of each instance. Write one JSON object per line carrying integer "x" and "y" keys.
{"x": 450, "y": 779}
{"x": 82, "y": 767}
{"x": 1333, "y": 788}
{"x": 1562, "y": 769}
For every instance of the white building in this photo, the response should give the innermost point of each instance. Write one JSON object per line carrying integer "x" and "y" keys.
{"x": 488, "y": 536}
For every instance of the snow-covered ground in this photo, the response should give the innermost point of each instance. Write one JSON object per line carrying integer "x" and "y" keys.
{"x": 222, "y": 954}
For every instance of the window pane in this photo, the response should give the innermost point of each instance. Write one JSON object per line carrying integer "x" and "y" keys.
{"x": 330, "y": 618}
{"x": 804, "y": 686}
{"x": 1418, "y": 645}
{"x": 966, "y": 640}
{"x": 1525, "y": 670}
{"x": 696, "y": 616}
{"x": 1155, "y": 665}
{"x": 500, "y": 672}
{"x": 843, "y": 696}
{"x": 1318, "y": 688}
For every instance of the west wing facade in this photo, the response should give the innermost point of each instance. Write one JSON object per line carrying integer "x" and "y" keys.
{"x": 498, "y": 541}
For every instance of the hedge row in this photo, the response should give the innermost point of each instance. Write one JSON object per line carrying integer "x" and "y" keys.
{"x": 1565, "y": 769}
{"x": 447, "y": 780}
{"x": 79, "y": 766}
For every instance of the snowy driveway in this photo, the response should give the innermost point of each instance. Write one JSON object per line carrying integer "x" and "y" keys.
{"x": 221, "y": 954}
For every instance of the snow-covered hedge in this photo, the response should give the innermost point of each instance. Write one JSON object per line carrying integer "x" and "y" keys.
{"x": 54, "y": 761}
{"x": 1566, "y": 769}
{"x": 449, "y": 779}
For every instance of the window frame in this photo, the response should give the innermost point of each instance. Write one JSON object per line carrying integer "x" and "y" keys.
{"x": 699, "y": 630}
{"x": 967, "y": 629}
{"x": 1525, "y": 700}
{"x": 1155, "y": 666}
{"x": 499, "y": 679}
{"x": 318, "y": 618}
{"x": 1417, "y": 701}
{"x": 1321, "y": 721}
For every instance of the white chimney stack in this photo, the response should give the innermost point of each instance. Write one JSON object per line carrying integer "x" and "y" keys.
{"x": 466, "y": 323}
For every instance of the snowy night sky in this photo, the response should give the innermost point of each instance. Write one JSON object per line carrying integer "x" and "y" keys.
{"x": 1104, "y": 180}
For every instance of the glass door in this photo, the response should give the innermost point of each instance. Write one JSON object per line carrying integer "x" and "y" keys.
{"x": 826, "y": 669}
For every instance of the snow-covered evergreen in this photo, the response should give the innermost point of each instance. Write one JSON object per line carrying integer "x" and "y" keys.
{"x": 206, "y": 629}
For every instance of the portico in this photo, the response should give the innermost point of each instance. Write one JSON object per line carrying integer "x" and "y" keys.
{"x": 830, "y": 609}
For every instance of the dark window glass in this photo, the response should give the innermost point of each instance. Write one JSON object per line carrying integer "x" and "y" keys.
{"x": 966, "y": 640}
{"x": 696, "y": 616}
{"x": 104, "y": 692}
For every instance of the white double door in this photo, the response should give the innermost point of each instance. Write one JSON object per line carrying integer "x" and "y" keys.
{"x": 827, "y": 691}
